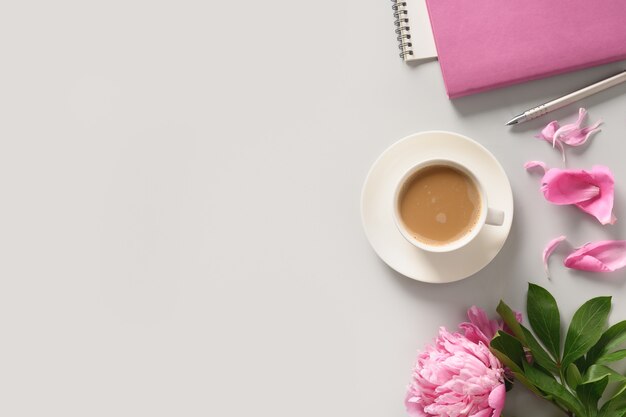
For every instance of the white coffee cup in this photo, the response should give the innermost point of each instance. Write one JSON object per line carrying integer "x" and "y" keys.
{"x": 487, "y": 214}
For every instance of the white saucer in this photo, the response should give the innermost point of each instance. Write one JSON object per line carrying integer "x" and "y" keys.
{"x": 377, "y": 204}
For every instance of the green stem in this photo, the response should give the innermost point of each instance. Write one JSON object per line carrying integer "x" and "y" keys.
{"x": 564, "y": 381}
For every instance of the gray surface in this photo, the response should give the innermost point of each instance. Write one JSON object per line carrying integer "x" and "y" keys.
{"x": 180, "y": 230}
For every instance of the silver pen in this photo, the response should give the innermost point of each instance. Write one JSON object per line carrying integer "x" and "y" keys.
{"x": 555, "y": 104}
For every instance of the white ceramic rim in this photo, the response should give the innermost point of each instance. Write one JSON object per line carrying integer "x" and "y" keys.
{"x": 436, "y": 268}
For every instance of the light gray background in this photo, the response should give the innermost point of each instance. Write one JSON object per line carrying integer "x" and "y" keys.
{"x": 180, "y": 231}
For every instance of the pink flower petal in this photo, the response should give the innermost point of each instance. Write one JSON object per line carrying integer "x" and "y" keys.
{"x": 561, "y": 186}
{"x": 496, "y": 400}
{"x": 483, "y": 413}
{"x": 535, "y": 164}
{"x": 478, "y": 317}
{"x": 582, "y": 113}
{"x": 479, "y": 328}
{"x": 601, "y": 207}
{"x": 575, "y": 135}
{"x": 580, "y": 136}
{"x": 591, "y": 191}
{"x": 571, "y": 134}
{"x": 602, "y": 256}
{"x": 550, "y": 247}
{"x": 547, "y": 133}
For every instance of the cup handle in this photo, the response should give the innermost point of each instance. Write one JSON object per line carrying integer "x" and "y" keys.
{"x": 494, "y": 217}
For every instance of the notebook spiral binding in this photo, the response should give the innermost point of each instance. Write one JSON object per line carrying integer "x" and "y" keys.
{"x": 402, "y": 28}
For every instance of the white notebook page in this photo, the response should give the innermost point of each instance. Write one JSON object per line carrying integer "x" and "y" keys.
{"x": 423, "y": 43}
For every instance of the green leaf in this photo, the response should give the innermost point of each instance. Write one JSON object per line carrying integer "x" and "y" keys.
{"x": 517, "y": 371}
{"x": 508, "y": 345}
{"x": 597, "y": 372}
{"x": 610, "y": 339}
{"x": 614, "y": 407}
{"x": 552, "y": 387}
{"x": 612, "y": 357}
{"x": 586, "y": 328}
{"x": 573, "y": 376}
{"x": 544, "y": 370}
{"x": 509, "y": 318}
{"x": 538, "y": 352}
{"x": 614, "y": 336}
{"x": 522, "y": 378}
{"x": 506, "y": 361}
{"x": 589, "y": 394}
{"x": 581, "y": 364}
{"x": 544, "y": 318}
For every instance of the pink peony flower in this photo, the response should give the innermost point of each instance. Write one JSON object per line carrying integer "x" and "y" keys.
{"x": 456, "y": 377}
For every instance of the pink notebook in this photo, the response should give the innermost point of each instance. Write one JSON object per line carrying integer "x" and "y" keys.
{"x": 486, "y": 44}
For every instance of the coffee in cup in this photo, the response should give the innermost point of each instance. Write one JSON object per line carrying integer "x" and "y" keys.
{"x": 440, "y": 206}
